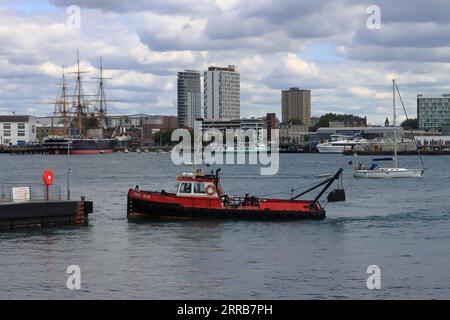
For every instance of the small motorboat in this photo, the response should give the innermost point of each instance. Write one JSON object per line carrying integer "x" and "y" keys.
{"x": 200, "y": 195}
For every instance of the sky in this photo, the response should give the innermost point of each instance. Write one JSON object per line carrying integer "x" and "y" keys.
{"x": 335, "y": 48}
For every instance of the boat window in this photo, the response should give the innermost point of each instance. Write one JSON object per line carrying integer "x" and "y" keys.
{"x": 185, "y": 187}
{"x": 199, "y": 187}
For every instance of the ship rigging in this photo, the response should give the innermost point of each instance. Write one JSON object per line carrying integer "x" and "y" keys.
{"x": 84, "y": 122}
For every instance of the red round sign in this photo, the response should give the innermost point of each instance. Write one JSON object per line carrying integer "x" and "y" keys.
{"x": 48, "y": 177}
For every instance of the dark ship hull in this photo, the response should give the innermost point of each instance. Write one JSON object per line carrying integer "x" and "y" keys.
{"x": 92, "y": 146}
{"x": 79, "y": 146}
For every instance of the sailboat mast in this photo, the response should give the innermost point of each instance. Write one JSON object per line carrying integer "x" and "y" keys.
{"x": 394, "y": 123}
{"x": 79, "y": 106}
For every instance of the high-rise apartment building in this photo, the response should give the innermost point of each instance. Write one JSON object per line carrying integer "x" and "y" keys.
{"x": 189, "y": 98}
{"x": 433, "y": 113}
{"x": 296, "y": 105}
{"x": 221, "y": 90}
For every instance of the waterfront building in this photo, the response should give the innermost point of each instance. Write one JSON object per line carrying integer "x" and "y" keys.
{"x": 271, "y": 123}
{"x": 351, "y": 122}
{"x": 221, "y": 93}
{"x": 140, "y": 127}
{"x": 365, "y": 132}
{"x": 296, "y": 105}
{"x": 258, "y": 124}
{"x": 126, "y": 120}
{"x": 433, "y": 112}
{"x": 221, "y": 125}
{"x": 189, "y": 98}
{"x": 49, "y": 126}
{"x": 155, "y": 124}
{"x": 292, "y": 133}
{"x": 17, "y": 129}
{"x": 433, "y": 141}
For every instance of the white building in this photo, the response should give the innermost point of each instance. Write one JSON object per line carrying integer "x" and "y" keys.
{"x": 433, "y": 140}
{"x": 292, "y": 133}
{"x": 127, "y": 120}
{"x": 17, "y": 130}
{"x": 189, "y": 98}
{"x": 433, "y": 113}
{"x": 221, "y": 93}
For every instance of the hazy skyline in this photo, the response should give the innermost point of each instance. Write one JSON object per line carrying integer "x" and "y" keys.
{"x": 324, "y": 46}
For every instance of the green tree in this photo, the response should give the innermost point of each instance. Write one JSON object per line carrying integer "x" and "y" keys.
{"x": 410, "y": 124}
{"x": 296, "y": 122}
{"x": 86, "y": 122}
{"x": 324, "y": 121}
{"x": 163, "y": 137}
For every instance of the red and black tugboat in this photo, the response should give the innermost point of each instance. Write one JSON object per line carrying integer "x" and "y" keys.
{"x": 200, "y": 195}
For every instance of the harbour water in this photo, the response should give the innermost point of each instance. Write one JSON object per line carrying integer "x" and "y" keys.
{"x": 402, "y": 226}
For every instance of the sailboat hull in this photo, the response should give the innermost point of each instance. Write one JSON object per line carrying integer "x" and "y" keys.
{"x": 385, "y": 173}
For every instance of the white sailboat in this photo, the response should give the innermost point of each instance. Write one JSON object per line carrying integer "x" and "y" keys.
{"x": 375, "y": 171}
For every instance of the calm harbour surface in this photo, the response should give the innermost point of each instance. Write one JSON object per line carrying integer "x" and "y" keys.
{"x": 401, "y": 225}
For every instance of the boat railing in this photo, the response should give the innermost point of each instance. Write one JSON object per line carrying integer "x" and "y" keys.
{"x": 250, "y": 201}
{"x": 22, "y": 192}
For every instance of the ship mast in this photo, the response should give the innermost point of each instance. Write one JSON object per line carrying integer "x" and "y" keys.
{"x": 78, "y": 88}
{"x": 102, "y": 109}
{"x": 61, "y": 109}
{"x": 64, "y": 104}
{"x": 102, "y": 97}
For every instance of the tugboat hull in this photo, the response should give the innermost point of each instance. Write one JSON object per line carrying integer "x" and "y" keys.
{"x": 158, "y": 210}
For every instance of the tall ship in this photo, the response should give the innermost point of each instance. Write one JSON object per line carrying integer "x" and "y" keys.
{"x": 83, "y": 119}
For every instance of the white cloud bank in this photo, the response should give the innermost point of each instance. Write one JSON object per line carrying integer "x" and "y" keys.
{"x": 144, "y": 44}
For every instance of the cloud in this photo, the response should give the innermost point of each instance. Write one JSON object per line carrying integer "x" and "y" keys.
{"x": 320, "y": 45}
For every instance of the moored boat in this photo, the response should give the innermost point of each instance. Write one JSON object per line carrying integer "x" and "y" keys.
{"x": 200, "y": 195}
{"x": 375, "y": 171}
{"x": 339, "y": 144}
{"x": 83, "y": 126}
